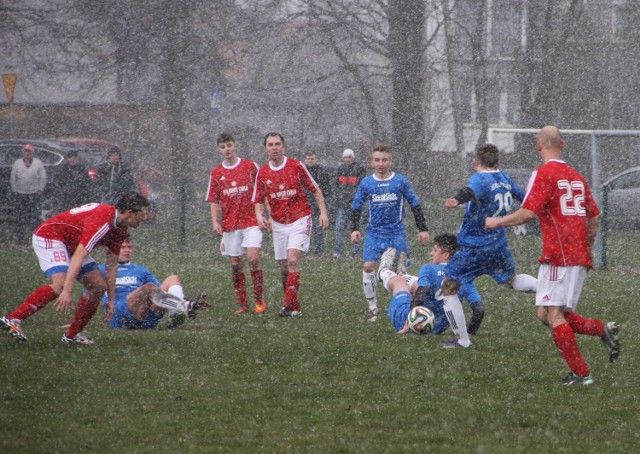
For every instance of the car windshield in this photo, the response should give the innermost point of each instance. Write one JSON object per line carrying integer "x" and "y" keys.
{"x": 629, "y": 180}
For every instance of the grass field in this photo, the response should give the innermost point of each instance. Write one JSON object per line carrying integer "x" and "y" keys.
{"x": 324, "y": 382}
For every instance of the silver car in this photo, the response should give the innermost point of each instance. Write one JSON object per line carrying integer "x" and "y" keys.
{"x": 621, "y": 200}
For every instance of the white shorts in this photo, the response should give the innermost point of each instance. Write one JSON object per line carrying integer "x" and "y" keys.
{"x": 233, "y": 242}
{"x": 560, "y": 286}
{"x": 54, "y": 257}
{"x": 296, "y": 235}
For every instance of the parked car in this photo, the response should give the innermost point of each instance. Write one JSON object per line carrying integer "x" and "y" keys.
{"x": 52, "y": 154}
{"x": 621, "y": 197}
{"x": 521, "y": 177}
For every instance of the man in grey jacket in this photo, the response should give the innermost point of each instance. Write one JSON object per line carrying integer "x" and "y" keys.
{"x": 28, "y": 179}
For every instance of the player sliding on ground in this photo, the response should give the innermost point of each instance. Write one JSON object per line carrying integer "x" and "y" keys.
{"x": 424, "y": 290}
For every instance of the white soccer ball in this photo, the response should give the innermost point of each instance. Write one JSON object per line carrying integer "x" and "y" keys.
{"x": 421, "y": 320}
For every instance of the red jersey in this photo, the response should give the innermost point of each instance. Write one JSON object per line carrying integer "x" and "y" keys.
{"x": 561, "y": 198}
{"x": 232, "y": 189}
{"x": 284, "y": 187}
{"x": 91, "y": 225}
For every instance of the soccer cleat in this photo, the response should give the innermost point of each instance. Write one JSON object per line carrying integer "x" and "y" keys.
{"x": 573, "y": 379}
{"x": 176, "y": 319}
{"x": 611, "y": 340}
{"x": 288, "y": 312}
{"x": 386, "y": 261}
{"x": 80, "y": 339}
{"x": 372, "y": 315}
{"x": 260, "y": 306}
{"x": 194, "y": 305}
{"x": 241, "y": 310}
{"x": 14, "y": 326}
{"x": 453, "y": 343}
{"x": 401, "y": 267}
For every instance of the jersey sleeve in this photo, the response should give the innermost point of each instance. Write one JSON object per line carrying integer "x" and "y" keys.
{"x": 410, "y": 194}
{"x": 148, "y": 277}
{"x": 360, "y": 197}
{"x": 538, "y": 192}
{"x": 306, "y": 180}
{"x": 259, "y": 192}
{"x": 425, "y": 278}
{"x": 213, "y": 189}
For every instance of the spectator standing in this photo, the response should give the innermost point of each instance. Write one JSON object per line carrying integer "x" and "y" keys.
{"x": 350, "y": 174}
{"x": 569, "y": 221}
{"x": 321, "y": 175}
{"x": 28, "y": 180}
{"x": 72, "y": 185}
{"x": 115, "y": 177}
{"x": 230, "y": 193}
{"x": 282, "y": 182}
{"x": 63, "y": 245}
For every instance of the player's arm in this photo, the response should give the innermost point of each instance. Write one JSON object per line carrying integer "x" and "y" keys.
{"x": 420, "y": 296}
{"x": 463, "y": 196}
{"x": 324, "y": 216}
{"x": 111, "y": 273}
{"x": 215, "y": 215}
{"x": 263, "y": 221}
{"x": 521, "y": 216}
{"x": 593, "y": 224}
{"x": 65, "y": 300}
{"x": 421, "y": 224}
{"x": 355, "y": 225}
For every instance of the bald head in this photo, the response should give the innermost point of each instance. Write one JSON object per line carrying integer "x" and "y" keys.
{"x": 550, "y": 137}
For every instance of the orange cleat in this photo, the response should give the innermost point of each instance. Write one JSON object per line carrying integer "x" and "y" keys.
{"x": 241, "y": 310}
{"x": 261, "y": 306}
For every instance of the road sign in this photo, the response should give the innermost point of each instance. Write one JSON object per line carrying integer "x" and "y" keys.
{"x": 9, "y": 81}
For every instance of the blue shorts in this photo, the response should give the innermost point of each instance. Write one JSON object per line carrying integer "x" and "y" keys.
{"x": 399, "y": 308}
{"x": 124, "y": 319}
{"x": 494, "y": 260}
{"x": 375, "y": 245}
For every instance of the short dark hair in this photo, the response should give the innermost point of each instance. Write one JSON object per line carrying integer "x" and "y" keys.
{"x": 382, "y": 147}
{"x": 272, "y": 134}
{"x": 310, "y": 153}
{"x": 72, "y": 154}
{"x": 114, "y": 150}
{"x": 225, "y": 137}
{"x": 447, "y": 242}
{"x": 132, "y": 201}
{"x": 487, "y": 155}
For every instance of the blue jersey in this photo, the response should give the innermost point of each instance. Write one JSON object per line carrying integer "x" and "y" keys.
{"x": 131, "y": 276}
{"x": 431, "y": 277}
{"x": 494, "y": 192}
{"x": 386, "y": 202}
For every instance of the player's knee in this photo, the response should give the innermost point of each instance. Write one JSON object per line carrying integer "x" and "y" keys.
{"x": 236, "y": 269}
{"x": 450, "y": 287}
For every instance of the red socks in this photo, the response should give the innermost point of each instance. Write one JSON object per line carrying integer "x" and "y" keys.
{"x": 565, "y": 340}
{"x": 291, "y": 292}
{"x": 582, "y": 325}
{"x": 239, "y": 287}
{"x": 83, "y": 314}
{"x": 256, "y": 278}
{"x": 38, "y": 299}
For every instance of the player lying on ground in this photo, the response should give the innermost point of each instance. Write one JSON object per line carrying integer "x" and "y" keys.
{"x": 142, "y": 301}
{"x": 424, "y": 290}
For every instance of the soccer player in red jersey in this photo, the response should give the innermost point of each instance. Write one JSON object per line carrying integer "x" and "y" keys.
{"x": 282, "y": 182}
{"x": 230, "y": 192}
{"x": 63, "y": 245}
{"x": 569, "y": 222}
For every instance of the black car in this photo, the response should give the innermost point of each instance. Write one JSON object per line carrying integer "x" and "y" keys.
{"x": 52, "y": 154}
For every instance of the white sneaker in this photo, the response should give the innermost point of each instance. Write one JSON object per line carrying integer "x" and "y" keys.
{"x": 386, "y": 261}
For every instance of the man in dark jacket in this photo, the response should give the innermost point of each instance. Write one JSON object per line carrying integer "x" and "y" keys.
{"x": 350, "y": 173}
{"x": 72, "y": 186}
{"x": 321, "y": 175}
{"x": 115, "y": 178}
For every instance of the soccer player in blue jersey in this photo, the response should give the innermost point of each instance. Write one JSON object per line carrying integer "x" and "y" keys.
{"x": 424, "y": 289}
{"x": 489, "y": 193}
{"x": 385, "y": 192}
{"x": 142, "y": 300}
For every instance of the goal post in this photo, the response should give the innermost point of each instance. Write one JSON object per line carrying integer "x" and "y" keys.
{"x": 599, "y": 248}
